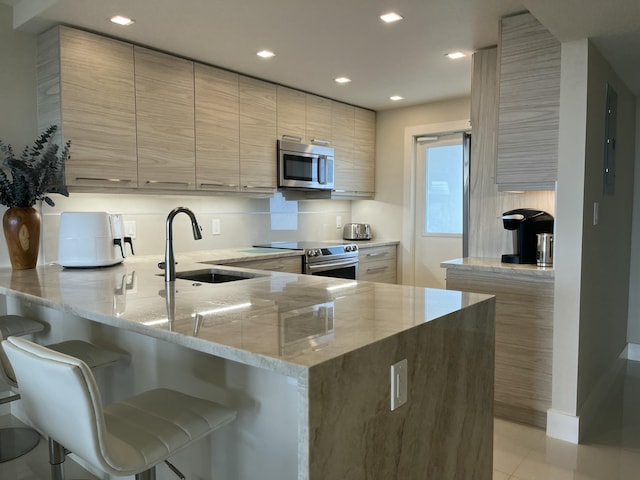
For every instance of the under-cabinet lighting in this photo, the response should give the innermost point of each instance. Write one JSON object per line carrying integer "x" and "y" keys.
{"x": 266, "y": 54}
{"x": 391, "y": 17}
{"x": 456, "y": 55}
{"x": 120, "y": 20}
{"x": 396, "y": 98}
{"x": 343, "y": 80}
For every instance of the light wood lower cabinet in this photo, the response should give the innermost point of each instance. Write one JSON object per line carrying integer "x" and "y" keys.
{"x": 281, "y": 264}
{"x": 378, "y": 263}
{"x": 86, "y": 87}
{"x": 165, "y": 121}
{"x": 524, "y": 339}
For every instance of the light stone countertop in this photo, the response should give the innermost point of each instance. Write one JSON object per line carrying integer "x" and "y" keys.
{"x": 495, "y": 265}
{"x": 282, "y": 322}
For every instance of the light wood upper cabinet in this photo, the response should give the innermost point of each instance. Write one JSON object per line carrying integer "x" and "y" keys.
{"x": 343, "y": 129}
{"x": 217, "y": 101}
{"x": 364, "y": 157}
{"x": 292, "y": 114}
{"x": 91, "y": 97}
{"x": 257, "y": 135}
{"x": 529, "y": 105}
{"x": 318, "y": 119}
{"x": 165, "y": 120}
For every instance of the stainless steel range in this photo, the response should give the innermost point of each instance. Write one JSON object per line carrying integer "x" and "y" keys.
{"x": 328, "y": 259}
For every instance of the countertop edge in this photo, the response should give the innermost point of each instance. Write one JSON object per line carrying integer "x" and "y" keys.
{"x": 496, "y": 265}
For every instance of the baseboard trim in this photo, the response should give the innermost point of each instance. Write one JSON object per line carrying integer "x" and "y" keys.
{"x": 633, "y": 352}
{"x": 563, "y": 426}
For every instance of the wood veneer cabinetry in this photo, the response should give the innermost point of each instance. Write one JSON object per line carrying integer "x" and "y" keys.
{"x": 217, "y": 132}
{"x": 378, "y": 263}
{"x": 92, "y": 97}
{"x": 529, "y": 105}
{"x": 165, "y": 120}
{"x": 318, "y": 119}
{"x": 292, "y": 114}
{"x": 524, "y": 339}
{"x": 257, "y": 135}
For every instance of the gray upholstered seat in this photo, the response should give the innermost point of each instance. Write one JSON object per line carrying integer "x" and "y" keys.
{"x": 125, "y": 438}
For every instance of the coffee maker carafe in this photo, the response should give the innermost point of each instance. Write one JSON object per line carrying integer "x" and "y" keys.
{"x": 525, "y": 224}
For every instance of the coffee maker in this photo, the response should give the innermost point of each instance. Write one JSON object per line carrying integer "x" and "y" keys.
{"x": 525, "y": 224}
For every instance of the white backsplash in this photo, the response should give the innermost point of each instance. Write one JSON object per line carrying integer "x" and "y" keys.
{"x": 243, "y": 221}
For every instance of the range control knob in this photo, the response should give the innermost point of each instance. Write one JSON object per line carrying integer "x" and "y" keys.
{"x": 313, "y": 253}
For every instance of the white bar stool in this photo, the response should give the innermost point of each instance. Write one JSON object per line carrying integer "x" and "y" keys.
{"x": 125, "y": 438}
{"x": 17, "y": 441}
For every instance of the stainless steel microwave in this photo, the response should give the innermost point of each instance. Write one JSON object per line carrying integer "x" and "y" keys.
{"x": 304, "y": 166}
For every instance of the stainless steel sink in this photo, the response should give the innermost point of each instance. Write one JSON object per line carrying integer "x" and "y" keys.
{"x": 216, "y": 275}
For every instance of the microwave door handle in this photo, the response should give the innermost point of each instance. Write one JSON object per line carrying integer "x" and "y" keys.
{"x": 322, "y": 169}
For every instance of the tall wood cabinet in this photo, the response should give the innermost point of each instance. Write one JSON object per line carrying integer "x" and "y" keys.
{"x": 292, "y": 114}
{"x": 165, "y": 120}
{"x": 318, "y": 121}
{"x": 217, "y": 132}
{"x": 343, "y": 134}
{"x": 257, "y": 135}
{"x": 529, "y": 105}
{"x": 92, "y": 98}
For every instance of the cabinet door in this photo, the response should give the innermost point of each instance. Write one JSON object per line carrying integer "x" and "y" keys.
{"x": 291, "y": 114}
{"x": 318, "y": 120}
{"x": 529, "y": 108}
{"x": 343, "y": 131}
{"x": 98, "y": 105}
{"x": 364, "y": 151}
{"x": 165, "y": 121}
{"x": 257, "y": 135}
{"x": 217, "y": 129}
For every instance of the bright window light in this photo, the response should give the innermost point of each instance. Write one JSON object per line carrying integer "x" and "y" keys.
{"x": 266, "y": 54}
{"x": 391, "y": 17}
{"x": 343, "y": 80}
{"x": 120, "y": 20}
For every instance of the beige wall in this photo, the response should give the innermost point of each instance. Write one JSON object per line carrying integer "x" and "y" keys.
{"x": 385, "y": 212}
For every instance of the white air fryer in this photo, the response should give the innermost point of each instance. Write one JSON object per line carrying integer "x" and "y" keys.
{"x": 91, "y": 239}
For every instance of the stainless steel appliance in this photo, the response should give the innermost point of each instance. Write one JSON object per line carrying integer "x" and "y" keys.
{"x": 301, "y": 166}
{"x": 328, "y": 259}
{"x": 525, "y": 224}
{"x": 545, "y": 250}
{"x": 91, "y": 239}
{"x": 356, "y": 231}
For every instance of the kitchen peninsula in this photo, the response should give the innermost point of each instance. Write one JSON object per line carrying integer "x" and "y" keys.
{"x": 305, "y": 360}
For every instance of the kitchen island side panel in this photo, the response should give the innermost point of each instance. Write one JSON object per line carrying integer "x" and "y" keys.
{"x": 445, "y": 430}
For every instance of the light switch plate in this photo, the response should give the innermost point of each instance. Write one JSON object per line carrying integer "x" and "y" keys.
{"x": 399, "y": 384}
{"x": 215, "y": 226}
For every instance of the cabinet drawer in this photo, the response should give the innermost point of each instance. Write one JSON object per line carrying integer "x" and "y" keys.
{"x": 282, "y": 264}
{"x": 383, "y": 271}
{"x": 372, "y": 254}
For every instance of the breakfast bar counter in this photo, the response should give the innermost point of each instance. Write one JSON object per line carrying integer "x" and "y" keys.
{"x": 305, "y": 360}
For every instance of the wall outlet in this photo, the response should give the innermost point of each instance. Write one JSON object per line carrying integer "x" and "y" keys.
{"x": 215, "y": 226}
{"x": 339, "y": 221}
{"x": 130, "y": 228}
{"x": 399, "y": 384}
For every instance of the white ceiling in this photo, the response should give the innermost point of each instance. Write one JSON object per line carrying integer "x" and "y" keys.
{"x": 319, "y": 40}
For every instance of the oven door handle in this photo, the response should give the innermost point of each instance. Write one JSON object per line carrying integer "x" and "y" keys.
{"x": 318, "y": 267}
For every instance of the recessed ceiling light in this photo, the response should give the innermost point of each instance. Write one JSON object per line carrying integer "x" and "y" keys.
{"x": 266, "y": 54}
{"x": 343, "y": 80}
{"x": 120, "y": 20}
{"x": 391, "y": 17}
{"x": 455, "y": 55}
{"x": 395, "y": 98}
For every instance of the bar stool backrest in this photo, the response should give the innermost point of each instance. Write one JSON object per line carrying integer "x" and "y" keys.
{"x": 61, "y": 398}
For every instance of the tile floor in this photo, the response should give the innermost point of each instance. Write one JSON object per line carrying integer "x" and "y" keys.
{"x": 611, "y": 450}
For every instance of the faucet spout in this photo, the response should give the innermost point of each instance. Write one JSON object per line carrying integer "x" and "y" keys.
{"x": 169, "y": 259}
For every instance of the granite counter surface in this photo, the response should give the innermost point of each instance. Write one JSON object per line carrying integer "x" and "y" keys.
{"x": 279, "y": 321}
{"x": 495, "y": 265}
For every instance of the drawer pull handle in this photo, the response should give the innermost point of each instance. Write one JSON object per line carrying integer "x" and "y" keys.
{"x": 110, "y": 180}
{"x": 380, "y": 254}
{"x": 270, "y": 187}
{"x": 377, "y": 269}
{"x": 292, "y": 138}
{"x": 159, "y": 182}
{"x": 217, "y": 184}
{"x": 319, "y": 141}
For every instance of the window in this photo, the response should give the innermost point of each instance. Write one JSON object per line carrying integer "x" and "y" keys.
{"x": 444, "y": 187}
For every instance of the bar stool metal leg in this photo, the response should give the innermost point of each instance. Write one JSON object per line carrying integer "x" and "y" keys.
{"x": 57, "y": 457}
{"x": 147, "y": 474}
